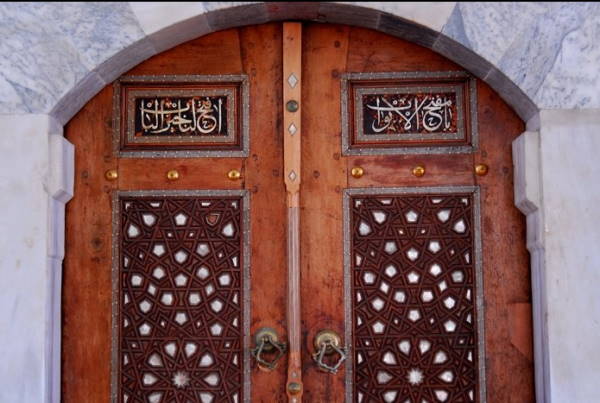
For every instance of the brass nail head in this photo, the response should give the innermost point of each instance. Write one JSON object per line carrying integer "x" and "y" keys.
{"x": 111, "y": 174}
{"x": 234, "y": 174}
{"x": 357, "y": 172}
{"x": 481, "y": 169}
{"x": 294, "y": 388}
{"x": 173, "y": 175}
{"x": 292, "y": 106}
{"x": 418, "y": 171}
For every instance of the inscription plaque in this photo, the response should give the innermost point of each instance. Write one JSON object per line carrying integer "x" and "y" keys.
{"x": 408, "y": 113}
{"x": 181, "y": 116}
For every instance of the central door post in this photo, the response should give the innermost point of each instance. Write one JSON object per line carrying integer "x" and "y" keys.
{"x": 292, "y": 65}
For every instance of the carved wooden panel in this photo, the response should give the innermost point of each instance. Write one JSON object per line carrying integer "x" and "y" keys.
{"x": 413, "y": 295}
{"x": 402, "y": 113}
{"x": 181, "y": 116}
{"x": 180, "y": 281}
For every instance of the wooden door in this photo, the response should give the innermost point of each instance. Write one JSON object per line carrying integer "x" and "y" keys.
{"x": 191, "y": 304}
{"x": 174, "y": 265}
{"x": 425, "y": 278}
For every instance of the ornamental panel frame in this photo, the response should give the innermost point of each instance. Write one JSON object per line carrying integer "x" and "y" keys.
{"x": 459, "y": 84}
{"x": 477, "y": 260}
{"x": 244, "y": 299}
{"x": 196, "y": 91}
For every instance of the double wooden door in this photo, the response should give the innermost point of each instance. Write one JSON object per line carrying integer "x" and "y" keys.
{"x": 295, "y": 178}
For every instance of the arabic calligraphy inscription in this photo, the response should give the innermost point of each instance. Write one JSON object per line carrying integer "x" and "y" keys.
{"x": 191, "y": 116}
{"x": 408, "y": 113}
{"x": 181, "y": 116}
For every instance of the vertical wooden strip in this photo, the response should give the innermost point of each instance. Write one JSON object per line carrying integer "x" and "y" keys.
{"x": 261, "y": 59}
{"x": 325, "y": 48}
{"x": 292, "y": 82}
{"x": 292, "y": 112}
{"x": 86, "y": 301}
{"x": 506, "y": 278}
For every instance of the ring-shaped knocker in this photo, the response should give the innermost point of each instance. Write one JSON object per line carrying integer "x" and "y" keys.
{"x": 267, "y": 341}
{"x": 327, "y": 342}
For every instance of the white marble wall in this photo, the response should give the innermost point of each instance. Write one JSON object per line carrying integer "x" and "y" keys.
{"x": 35, "y": 161}
{"x": 570, "y": 184}
{"x": 549, "y": 50}
{"x": 557, "y": 187}
{"x": 56, "y": 56}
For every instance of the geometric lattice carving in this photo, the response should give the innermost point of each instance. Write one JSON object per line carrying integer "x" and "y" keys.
{"x": 180, "y": 309}
{"x": 414, "y": 298}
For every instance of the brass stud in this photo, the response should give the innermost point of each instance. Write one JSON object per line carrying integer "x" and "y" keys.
{"x": 292, "y": 106}
{"x": 294, "y": 388}
{"x": 418, "y": 171}
{"x": 173, "y": 175}
{"x": 481, "y": 169}
{"x": 357, "y": 172}
{"x": 234, "y": 174}
{"x": 111, "y": 174}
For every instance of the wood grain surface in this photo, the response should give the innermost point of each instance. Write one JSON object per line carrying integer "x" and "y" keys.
{"x": 327, "y": 52}
{"x": 255, "y": 51}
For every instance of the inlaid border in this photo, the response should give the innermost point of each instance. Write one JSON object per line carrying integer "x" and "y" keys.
{"x": 115, "y": 269}
{"x": 348, "y": 149}
{"x": 193, "y": 152}
{"x": 479, "y": 305}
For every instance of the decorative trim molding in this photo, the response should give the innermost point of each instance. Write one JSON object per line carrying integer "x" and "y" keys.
{"x": 60, "y": 189}
{"x": 528, "y": 199}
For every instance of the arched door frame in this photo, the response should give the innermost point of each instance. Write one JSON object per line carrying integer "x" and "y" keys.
{"x": 198, "y": 22}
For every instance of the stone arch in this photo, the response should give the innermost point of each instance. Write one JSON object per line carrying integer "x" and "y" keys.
{"x": 166, "y": 27}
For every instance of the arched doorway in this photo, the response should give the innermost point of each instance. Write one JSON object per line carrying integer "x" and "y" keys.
{"x": 365, "y": 261}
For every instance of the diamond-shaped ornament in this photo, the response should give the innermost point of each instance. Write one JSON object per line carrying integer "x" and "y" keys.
{"x": 292, "y": 176}
{"x": 292, "y": 80}
{"x": 292, "y": 129}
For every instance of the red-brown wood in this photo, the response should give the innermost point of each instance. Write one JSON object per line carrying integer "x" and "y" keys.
{"x": 261, "y": 58}
{"x": 292, "y": 156}
{"x": 86, "y": 300}
{"x": 324, "y": 171}
{"x": 505, "y": 259}
{"x": 509, "y": 370}
{"x": 328, "y": 52}
{"x": 200, "y": 173}
{"x": 255, "y": 51}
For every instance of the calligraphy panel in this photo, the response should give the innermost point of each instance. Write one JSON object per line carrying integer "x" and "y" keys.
{"x": 181, "y": 116}
{"x": 180, "y": 312}
{"x": 414, "y": 295}
{"x": 408, "y": 113}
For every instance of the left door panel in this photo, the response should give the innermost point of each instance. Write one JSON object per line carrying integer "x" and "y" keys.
{"x": 158, "y": 305}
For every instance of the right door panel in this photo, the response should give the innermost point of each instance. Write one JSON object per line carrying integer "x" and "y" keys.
{"x": 422, "y": 275}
